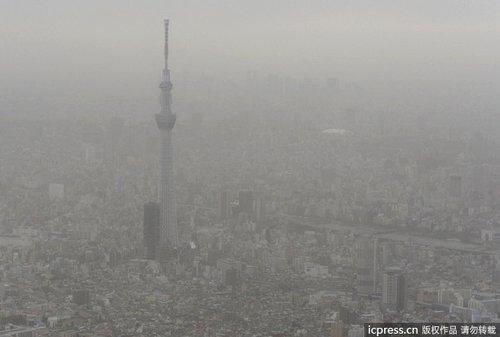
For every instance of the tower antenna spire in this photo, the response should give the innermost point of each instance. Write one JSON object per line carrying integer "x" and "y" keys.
{"x": 166, "y": 43}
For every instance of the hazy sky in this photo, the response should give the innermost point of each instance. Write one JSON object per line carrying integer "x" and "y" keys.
{"x": 118, "y": 43}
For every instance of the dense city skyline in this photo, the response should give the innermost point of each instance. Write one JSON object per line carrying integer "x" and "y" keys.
{"x": 335, "y": 168}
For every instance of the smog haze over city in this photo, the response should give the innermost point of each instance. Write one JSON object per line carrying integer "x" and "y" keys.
{"x": 249, "y": 168}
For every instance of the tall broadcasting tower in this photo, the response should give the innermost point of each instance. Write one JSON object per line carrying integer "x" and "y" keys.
{"x": 166, "y": 121}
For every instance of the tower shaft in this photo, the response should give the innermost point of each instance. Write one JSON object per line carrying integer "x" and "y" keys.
{"x": 166, "y": 121}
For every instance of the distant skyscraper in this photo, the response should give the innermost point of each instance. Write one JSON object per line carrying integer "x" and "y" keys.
{"x": 246, "y": 202}
{"x": 394, "y": 292}
{"x": 351, "y": 119}
{"x": 56, "y": 192}
{"x": 166, "y": 121}
{"x": 197, "y": 120}
{"x": 455, "y": 188}
{"x": 223, "y": 207}
{"x": 151, "y": 229}
{"x": 260, "y": 208}
{"x": 114, "y": 141}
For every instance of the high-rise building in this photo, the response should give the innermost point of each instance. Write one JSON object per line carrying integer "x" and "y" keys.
{"x": 151, "y": 229}
{"x": 383, "y": 256}
{"x": 338, "y": 329}
{"x": 260, "y": 208}
{"x": 394, "y": 292}
{"x": 223, "y": 206}
{"x": 114, "y": 141}
{"x": 166, "y": 121}
{"x": 56, "y": 192}
{"x": 455, "y": 188}
{"x": 246, "y": 202}
{"x": 364, "y": 264}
